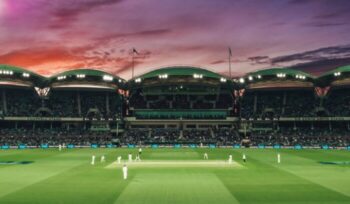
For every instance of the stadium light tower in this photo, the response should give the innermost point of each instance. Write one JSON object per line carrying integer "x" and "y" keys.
{"x": 229, "y": 61}
{"x": 134, "y": 51}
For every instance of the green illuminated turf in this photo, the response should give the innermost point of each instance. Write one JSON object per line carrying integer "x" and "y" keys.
{"x": 164, "y": 176}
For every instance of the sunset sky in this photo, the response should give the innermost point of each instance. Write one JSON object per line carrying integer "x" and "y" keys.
{"x": 50, "y": 36}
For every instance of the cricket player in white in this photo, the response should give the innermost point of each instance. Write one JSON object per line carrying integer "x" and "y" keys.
{"x": 125, "y": 172}
{"x": 59, "y": 147}
{"x": 93, "y": 160}
{"x": 279, "y": 158}
{"x": 230, "y": 159}
{"x": 140, "y": 151}
{"x": 244, "y": 158}
{"x": 103, "y": 158}
{"x": 119, "y": 159}
{"x": 138, "y": 158}
{"x": 130, "y": 157}
{"x": 205, "y": 155}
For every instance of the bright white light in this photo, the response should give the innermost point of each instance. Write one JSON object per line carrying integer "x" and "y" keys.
{"x": 26, "y": 75}
{"x": 250, "y": 78}
{"x": 80, "y": 76}
{"x": 6, "y": 72}
{"x": 337, "y": 74}
{"x": 138, "y": 80}
{"x": 163, "y": 76}
{"x": 222, "y": 79}
{"x": 281, "y": 75}
{"x": 241, "y": 80}
{"x": 259, "y": 76}
{"x": 197, "y": 76}
{"x": 107, "y": 78}
{"x": 61, "y": 77}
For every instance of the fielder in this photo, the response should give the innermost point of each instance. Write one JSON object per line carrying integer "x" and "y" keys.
{"x": 93, "y": 160}
{"x": 138, "y": 157}
{"x": 230, "y": 159}
{"x": 244, "y": 158}
{"x": 130, "y": 157}
{"x": 125, "y": 172}
{"x": 278, "y": 158}
{"x": 119, "y": 159}
{"x": 140, "y": 151}
{"x": 205, "y": 155}
{"x": 59, "y": 147}
{"x": 103, "y": 158}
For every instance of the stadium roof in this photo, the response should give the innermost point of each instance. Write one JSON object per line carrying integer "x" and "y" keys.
{"x": 180, "y": 71}
{"x": 277, "y": 78}
{"x": 20, "y": 74}
{"x": 278, "y": 70}
{"x": 85, "y": 78}
{"x": 87, "y": 72}
{"x": 337, "y": 74}
{"x": 174, "y": 75}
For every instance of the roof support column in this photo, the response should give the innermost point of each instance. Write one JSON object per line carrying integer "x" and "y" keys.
{"x": 255, "y": 101}
{"x": 78, "y": 103}
{"x": 4, "y": 103}
{"x": 284, "y": 102}
{"x": 107, "y": 103}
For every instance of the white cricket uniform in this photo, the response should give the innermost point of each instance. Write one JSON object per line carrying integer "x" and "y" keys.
{"x": 205, "y": 156}
{"x": 278, "y": 158}
{"x": 93, "y": 160}
{"x": 230, "y": 159}
{"x": 138, "y": 158}
{"x": 130, "y": 157}
{"x": 244, "y": 157}
{"x": 125, "y": 172}
{"x": 103, "y": 158}
{"x": 60, "y": 147}
{"x": 119, "y": 159}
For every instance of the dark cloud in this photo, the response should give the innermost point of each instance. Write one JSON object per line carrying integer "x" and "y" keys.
{"x": 299, "y": 2}
{"x": 326, "y": 53}
{"x": 321, "y": 66}
{"x": 259, "y": 59}
{"x": 143, "y": 33}
{"x": 316, "y": 61}
{"x": 68, "y": 13}
{"x": 218, "y": 62}
{"x": 332, "y": 14}
{"x": 324, "y": 24}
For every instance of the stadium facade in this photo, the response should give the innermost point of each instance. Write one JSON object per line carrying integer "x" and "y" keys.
{"x": 175, "y": 105}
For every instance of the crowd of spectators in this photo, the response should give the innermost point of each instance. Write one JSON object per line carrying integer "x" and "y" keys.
{"x": 222, "y": 101}
{"x": 21, "y": 102}
{"x": 54, "y": 136}
{"x": 64, "y": 103}
{"x": 337, "y": 103}
{"x": 168, "y": 136}
{"x": 302, "y": 136}
{"x": 276, "y": 104}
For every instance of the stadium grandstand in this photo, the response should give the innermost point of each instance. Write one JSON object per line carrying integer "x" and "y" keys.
{"x": 178, "y": 105}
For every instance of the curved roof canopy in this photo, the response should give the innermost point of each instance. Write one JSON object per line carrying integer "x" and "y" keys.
{"x": 279, "y": 70}
{"x": 13, "y": 73}
{"x": 339, "y": 74}
{"x": 180, "y": 71}
{"x": 179, "y": 74}
{"x": 277, "y": 78}
{"x": 86, "y": 72}
{"x": 86, "y": 75}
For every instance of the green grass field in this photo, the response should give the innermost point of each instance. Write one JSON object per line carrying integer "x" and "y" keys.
{"x": 175, "y": 176}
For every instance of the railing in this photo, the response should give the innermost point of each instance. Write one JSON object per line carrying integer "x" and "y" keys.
{"x": 181, "y": 114}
